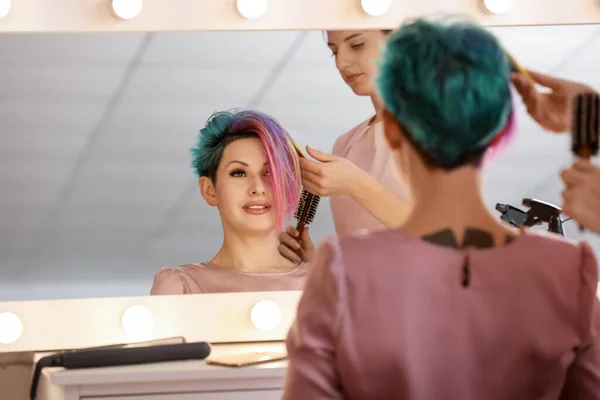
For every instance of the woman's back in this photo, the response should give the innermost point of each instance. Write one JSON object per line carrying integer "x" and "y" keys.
{"x": 520, "y": 328}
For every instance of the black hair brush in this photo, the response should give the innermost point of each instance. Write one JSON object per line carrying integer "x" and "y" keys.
{"x": 585, "y": 126}
{"x": 307, "y": 208}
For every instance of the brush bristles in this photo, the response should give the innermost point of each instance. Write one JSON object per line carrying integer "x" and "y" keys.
{"x": 301, "y": 204}
{"x": 312, "y": 209}
{"x": 586, "y": 124}
{"x": 307, "y": 207}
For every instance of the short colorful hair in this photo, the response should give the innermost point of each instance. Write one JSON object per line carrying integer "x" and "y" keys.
{"x": 283, "y": 162}
{"x": 448, "y": 87}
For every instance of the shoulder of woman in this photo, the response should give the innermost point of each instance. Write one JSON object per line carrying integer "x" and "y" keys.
{"x": 169, "y": 280}
{"x": 342, "y": 141}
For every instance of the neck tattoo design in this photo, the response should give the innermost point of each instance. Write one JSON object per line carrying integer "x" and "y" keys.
{"x": 473, "y": 238}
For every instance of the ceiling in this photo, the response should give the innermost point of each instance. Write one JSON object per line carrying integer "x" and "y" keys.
{"x": 96, "y": 191}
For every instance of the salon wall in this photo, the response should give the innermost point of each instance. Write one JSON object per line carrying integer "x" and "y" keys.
{"x": 185, "y": 15}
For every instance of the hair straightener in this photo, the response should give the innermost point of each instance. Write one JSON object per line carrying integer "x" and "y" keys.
{"x": 111, "y": 356}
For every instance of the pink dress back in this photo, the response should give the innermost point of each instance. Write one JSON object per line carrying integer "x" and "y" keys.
{"x": 366, "y": 147}
{"x": 385, "y": 316}
{"x": 211, "y": 278}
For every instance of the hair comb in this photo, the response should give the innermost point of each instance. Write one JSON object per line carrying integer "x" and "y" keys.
{"x": 585, "y": 126}
{"x": 515, "y": 66}
{"x": 307, "y": 204}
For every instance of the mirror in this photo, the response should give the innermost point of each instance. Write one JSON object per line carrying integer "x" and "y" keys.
{"x": 96, "y": 188}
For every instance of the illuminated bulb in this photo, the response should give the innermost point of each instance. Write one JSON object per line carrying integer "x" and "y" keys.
{"x": 4, "y": 8}
{"x": 252, "y": 8}
{"x": 11, "y": 328}
{"x": 265, "y": 315}
{"x": 376, "y": 7}
{"x": 127, "y": 9}
{"x": 137, "y": 322}
{"x": 497, "y": 6}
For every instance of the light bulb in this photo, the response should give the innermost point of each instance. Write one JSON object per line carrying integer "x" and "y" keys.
{"x": 137, "y": 322}
{"x": 11, "y": 328}
{"x": 127, "y": 9}
{"x": 265, "y": 315}
{"x": 252, "y": 8}
{"x": 4, "y": 8}
{"x": 497, "y": 6}
{"x": 376, "y": 7}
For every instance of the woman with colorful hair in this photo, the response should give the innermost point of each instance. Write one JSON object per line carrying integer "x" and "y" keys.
{"x": 453, "y": 304}
{"x": 248, "y": 168}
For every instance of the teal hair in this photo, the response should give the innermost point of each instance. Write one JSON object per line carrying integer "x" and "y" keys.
{"x": 207, "y": 153}
{"x": 448, "y": 87}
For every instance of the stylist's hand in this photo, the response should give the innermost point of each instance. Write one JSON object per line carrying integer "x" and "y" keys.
{"x": 289, "y": 244}
{"x": 328, "y": 175}
{"x": 581, "y": 197}
{"x": 550, "y": 109}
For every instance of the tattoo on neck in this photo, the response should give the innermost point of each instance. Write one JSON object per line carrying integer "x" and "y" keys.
{"x": 476, "y": 238}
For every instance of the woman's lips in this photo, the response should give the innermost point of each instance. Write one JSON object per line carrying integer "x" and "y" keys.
{"x": 257, "y": 208}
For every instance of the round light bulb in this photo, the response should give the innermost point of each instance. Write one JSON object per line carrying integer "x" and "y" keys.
{"x": 265, "y": 315}
{"x": 252, "y": 8}
{"x": 4, "y": 8}
{"x": 137, "y": 322}
{"x": 11, "y": 328}
{"x": 376, "y": 7}
{"x": 127, "y": 9}
{"x": 497, "y": 6}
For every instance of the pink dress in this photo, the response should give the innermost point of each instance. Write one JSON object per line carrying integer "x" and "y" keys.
{"x": 211, "y": 278}
{"x": 385, "y": 316}
{"x": 367, "y": 148}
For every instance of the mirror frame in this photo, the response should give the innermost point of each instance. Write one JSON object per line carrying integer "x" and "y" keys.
{"x": 193, "y": 15}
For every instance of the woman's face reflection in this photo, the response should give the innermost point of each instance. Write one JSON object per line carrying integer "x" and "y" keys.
{"x": 242, "y": 190}
{"x": 356, "y": 53}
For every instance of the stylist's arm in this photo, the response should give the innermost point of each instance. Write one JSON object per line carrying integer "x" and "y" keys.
{"x": 581, "y": 197}
{"x": 550, "y": 108}
{"x": 328, "y": 175}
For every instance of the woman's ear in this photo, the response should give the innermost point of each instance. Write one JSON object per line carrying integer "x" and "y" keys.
{"x": 392, "y": 130}
{"x": 207, "y": 189}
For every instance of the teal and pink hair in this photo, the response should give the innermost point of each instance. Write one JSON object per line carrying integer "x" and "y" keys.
{"x": 283, "y": 162}
{"x": 447, "y": 84}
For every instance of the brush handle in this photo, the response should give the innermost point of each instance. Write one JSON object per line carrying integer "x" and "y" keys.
{"x": 300, "y": 229}
{"x": 585, "y": 153}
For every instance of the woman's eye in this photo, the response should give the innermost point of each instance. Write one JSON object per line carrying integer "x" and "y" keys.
{"x": 358, "y": 45}
{"x": 333, "y": 54}
{"x": 237, "y": 173}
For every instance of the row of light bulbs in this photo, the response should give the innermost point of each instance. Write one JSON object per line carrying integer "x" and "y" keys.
{"x": 251, "y": 9}
{"x": 137, "y": 322}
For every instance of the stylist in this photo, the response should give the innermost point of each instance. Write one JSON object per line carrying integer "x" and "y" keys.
{"x": 359, "y": 176}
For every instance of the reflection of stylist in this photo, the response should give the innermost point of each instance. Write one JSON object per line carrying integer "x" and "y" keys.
{"x": 552, "y": 111}
{"x": 366, "y": 191}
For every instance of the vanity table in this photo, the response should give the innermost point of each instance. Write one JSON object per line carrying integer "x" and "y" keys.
{"x": 184, "y": 380}
{"x": 232, "y": 322}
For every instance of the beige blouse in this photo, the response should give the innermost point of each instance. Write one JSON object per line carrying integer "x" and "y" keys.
{"x": 211, "y": 278}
